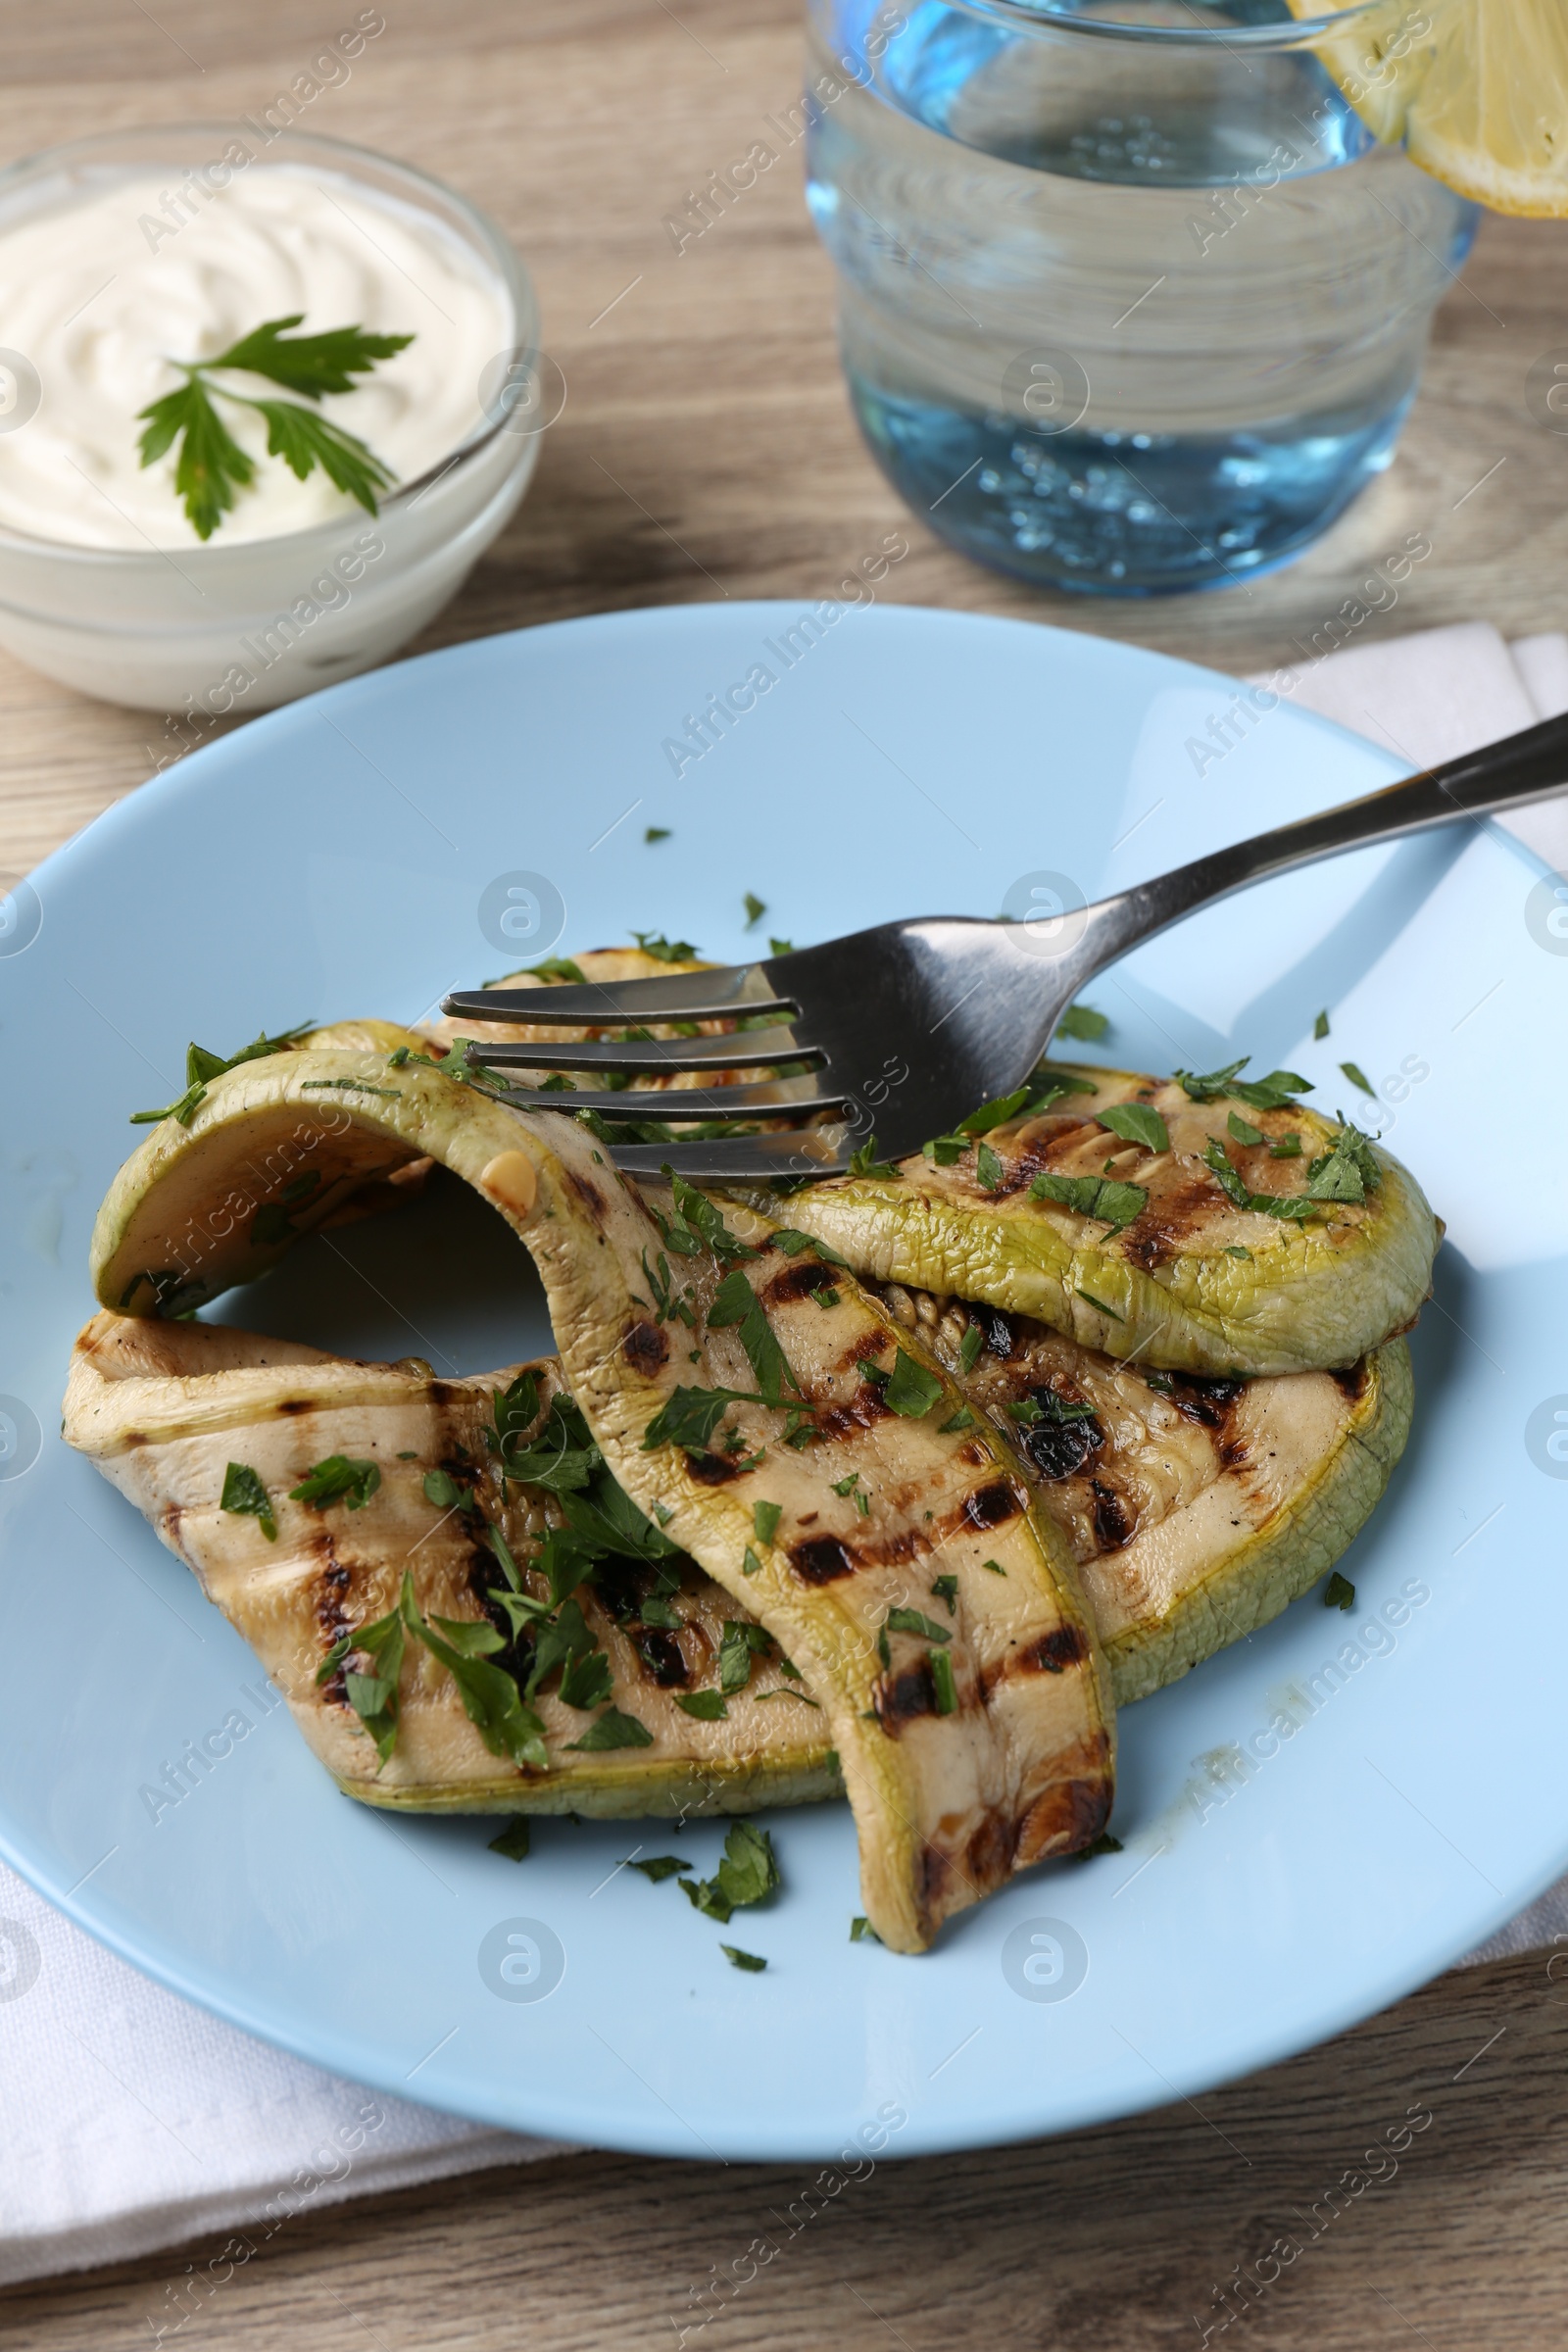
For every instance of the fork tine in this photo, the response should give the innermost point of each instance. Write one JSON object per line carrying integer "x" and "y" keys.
{"x": 744, "y": 1050}
{"x": 711, "y": 995}
{"x": 677, "y": 1109}
{"x": 739, "y": 1158}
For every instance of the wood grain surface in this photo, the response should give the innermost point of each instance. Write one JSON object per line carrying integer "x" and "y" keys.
{"x": 706, "y": 451}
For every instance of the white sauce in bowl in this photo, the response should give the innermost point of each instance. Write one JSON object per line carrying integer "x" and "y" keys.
{"x": 99, "y": 303}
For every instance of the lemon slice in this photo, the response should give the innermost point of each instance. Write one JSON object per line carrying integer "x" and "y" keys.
{"x": 1478, "y": 89}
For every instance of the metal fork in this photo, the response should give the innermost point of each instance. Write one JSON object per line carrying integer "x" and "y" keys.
{"x": 905, "y": 1028}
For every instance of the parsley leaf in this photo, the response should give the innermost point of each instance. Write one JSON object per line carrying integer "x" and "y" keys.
{"x": 690, "y": 1416}
{"x": 1345, "y": 1172}
{"x": 946, "y": 1589}
{"x": 1082, "y": 1021}
{"x": 612, "y": 1730}
{"x": 587, "y": 1682}
{"x": 656, "y": 833}
{"x": 1235, "y": 1187}
{"x": 988, "y": 1169}
{"x": 1102, "y": 1197}
{"x": 515, "y": 1839}
{"x": 1321, "y": 1027}
{"x": 974, "y": 1339}
{"x": 490, "y": 1697}
{"x": 747, "y": 1874}
{"x": 707, "y": 1705}
{"x": 244, "y": 1493}
{"x": 443, "y": 1489}
{"x": 1242, "y": 1129}
{"x": 736, "y": 1305}
{"x": 793, "y": 1243}
{"x": 1358, "y": 1077}
{"x": 666, "y": 950}
{"x": 942, "y": 1681}
{"x": 863, "y": 1162}
{"x": 374, "y": 1697}
{"x": 765, "y": 1517}
{"x": 212, "y": 467}
{"x": 337, "y": 1479}
{"x": 911, "y": 1621}
{"x": 658, "y": 1867}
{"x": 310, "y": 364}
{"x": 201, "y": 1066}
{"x": 1135, "y": 1123}
{"x": 862, "y": 1931}
{"x": 739, "y": 1959}
{"x": 1272, "y": 1093}
{"x": 696, "y": 1221}
{"x": 994, "y": 1114}
{"x": 755, "y": 909}
{"x": 910, "y": 1390}
{"x": 1339, "y": 1592}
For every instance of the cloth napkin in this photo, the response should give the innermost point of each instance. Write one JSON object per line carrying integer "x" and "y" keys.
{"x": 132, "y": 2119}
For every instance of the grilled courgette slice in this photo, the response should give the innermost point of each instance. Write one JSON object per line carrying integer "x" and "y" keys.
{"x": 1167, "y": 1236}
{"x": 814, "y": 1459}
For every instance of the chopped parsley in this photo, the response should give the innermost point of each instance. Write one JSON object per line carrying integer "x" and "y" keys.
{"x": 750, "y": 1563}
{"x": 1102, "y": 1197}
{"x": 736, "y": 1305}
{"x": 1135, "y": 1123}
{"x": 1358, "y": 1077}
{"x": 443, "y": 1489}
{"x": 374, "y": 1697}
{"x": 1339, "y": 1592}
{"x": 1238, "y": 1190}
{"x": 765, "y": 1517}
{"x": 1235, "y": 1250}
{"x": 658, "y": 1867}
{"x": 1321, "y": 1027}
{"x": 337, "y": 1479}
{"x": 690, "y": 1416}
{"x": 201, "y": 1066}
{"x": 666, "y": 950}
{"x": 911, "y": 1389}
{"x": 559, "y": 969}
{"x": 1289, "y": 1146}
{"x": 862, "y": 1931}
{"x": 781, "y": 947}
{"x": 1105, "y": 1844}
{"x": 942, "y": 1681}
{"x": 612, "y": 1730}
{"x": 245, "y": 1495}
{"x": 747, "y": 1874}
{"x": 913, "y": 1621}
{"x": 969, "y": 1347}
{"x": 863, "y": 1162}
{"x": 656, "y": 833}
{"x": 1242, "y": 1129}
{"x": 515, "y": 1839}
{"x": 994, "y": 1566}
{"x": 708, "y": 1706}
{"x": 1083, "y": 1023}
{"x": 1347, "y": 1172}
{"x": 961, "y": 1419}
{"x": 739, "y": 1959}
{"x": 1272, "y": 1093}
{"x": 1090, "y": 1300}
{"x": 995, "y": 1114}
{"x": 793, "y": 1243}
{"x": 988, "y": 1169}
{"x": 946, "y": 1589}
{"x": 755, "y": 909}
{"x": 697, "y": 1224}
{"x": 945, "y": 1150}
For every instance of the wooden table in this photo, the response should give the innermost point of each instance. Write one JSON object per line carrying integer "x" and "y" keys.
{"x": 706, "y": 451}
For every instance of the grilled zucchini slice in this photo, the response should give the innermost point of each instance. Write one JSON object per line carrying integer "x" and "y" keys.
{"x": 1187, "y": 1254}
{"x": 964, "y": 1758}
{"x": 164, "y": 1408}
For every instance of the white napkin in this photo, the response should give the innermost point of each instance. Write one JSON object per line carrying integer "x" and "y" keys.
{"x": 132, "y": 2119}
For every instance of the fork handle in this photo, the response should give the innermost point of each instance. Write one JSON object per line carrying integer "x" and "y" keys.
{"x": 1511, "y": 775}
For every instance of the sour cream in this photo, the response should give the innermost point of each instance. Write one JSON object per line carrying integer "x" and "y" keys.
{"x": 101, "y": 294}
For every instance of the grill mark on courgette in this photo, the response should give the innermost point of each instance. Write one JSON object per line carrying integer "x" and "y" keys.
{"x": 798, "y": 1281}
{"x": 1161, "y": 1230}
{"x": 822, "y": 1560}
{"x": 1113, "y": 1525}
{"x": 899, "y": 1699}
{"x": 644, "y": 1348}
{"x": 991, "y": 1506}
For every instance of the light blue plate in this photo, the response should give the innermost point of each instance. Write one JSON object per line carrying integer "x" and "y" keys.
{"x": 1315, "y": 1822}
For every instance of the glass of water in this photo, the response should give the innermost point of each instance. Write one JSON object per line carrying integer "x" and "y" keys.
{"x": 1131, "y": 297}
